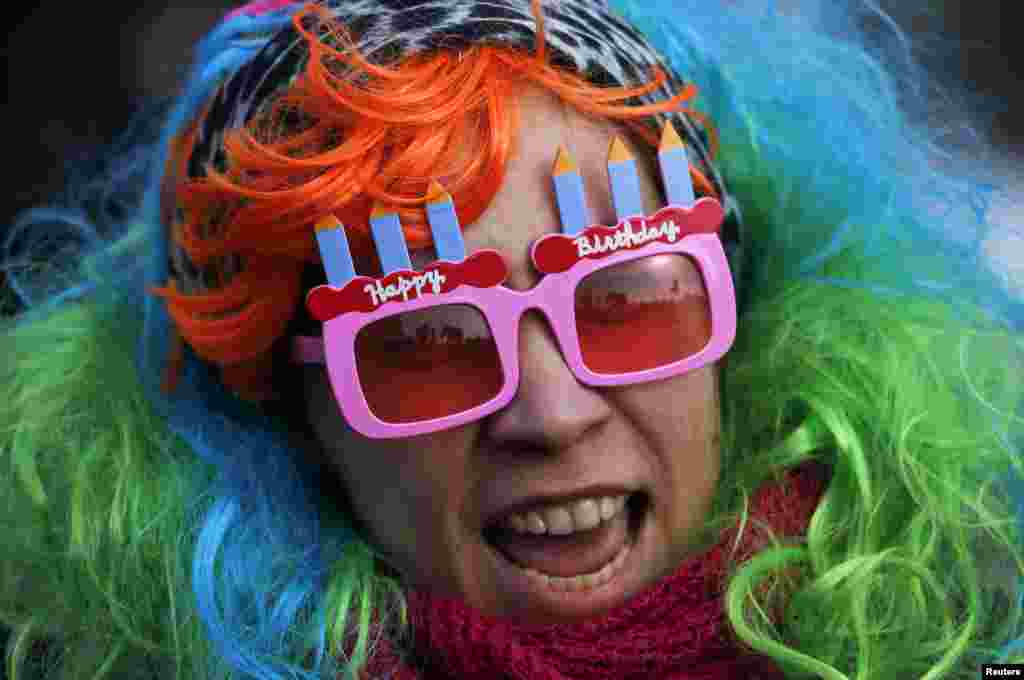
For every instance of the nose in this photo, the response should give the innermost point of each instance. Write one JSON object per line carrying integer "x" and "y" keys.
{"x": 551, "y": 409}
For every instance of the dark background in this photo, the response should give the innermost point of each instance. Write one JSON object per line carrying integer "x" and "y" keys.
{"x": 77, "y": 70}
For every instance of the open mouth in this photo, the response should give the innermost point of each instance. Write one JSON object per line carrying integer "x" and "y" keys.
{"x": 569, "y": 548}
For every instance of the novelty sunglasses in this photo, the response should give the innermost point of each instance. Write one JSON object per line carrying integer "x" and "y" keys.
{"x": 414, "y": 352}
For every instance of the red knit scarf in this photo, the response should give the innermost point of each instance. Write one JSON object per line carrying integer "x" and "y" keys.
{"x": 674, "y": 631}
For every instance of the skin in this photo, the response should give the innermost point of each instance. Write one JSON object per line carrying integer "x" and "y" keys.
{"x": 422, "y": 499}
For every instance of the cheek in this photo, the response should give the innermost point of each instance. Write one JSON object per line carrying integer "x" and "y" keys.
{"x": 366, "y": 468}
{"x": 407, "y": 501}
{"x": 681, "y": 409}
{"x": 392, "y": 506}
{"x": 403, "y": 493}
{"x": 680, "y": 420}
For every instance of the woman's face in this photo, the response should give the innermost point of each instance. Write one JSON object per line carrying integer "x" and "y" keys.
{"x": 453, "y": 510}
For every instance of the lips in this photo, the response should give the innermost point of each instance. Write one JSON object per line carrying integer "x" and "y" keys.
{"x": 582, "y": 552}
{"x": 496, "y": 517}
{"x": 574, "y": 554}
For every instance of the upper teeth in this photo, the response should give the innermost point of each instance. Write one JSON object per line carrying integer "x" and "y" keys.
{"x": 564, "y": 519}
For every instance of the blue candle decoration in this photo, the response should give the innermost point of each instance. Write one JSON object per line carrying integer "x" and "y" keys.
{"x": 334, "y": 251}
{"x": 625, "y": 183}
{"x": 389, "y": 239}
{"x": 675, "y": 167}
{"x": 572, "y": 202}
{"x": 444, "y": 224}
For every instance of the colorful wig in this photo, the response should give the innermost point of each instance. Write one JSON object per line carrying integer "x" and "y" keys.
{"x": 295, "y": 136}
{"x": 177, "y": 523}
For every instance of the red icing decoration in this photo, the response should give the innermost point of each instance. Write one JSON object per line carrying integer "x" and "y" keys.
{"x": 556, "y": 253}
{"x": 482, "y": 269}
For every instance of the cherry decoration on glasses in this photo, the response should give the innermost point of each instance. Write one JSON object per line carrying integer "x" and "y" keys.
{"x": 414, "y": 352}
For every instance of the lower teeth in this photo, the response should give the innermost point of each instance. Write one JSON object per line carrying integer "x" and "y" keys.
{"x": 584, "y": 581}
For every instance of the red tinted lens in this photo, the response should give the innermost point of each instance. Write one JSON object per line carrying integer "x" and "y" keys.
{"x": 642, "y": 314}
{"x": 428, "y": 363}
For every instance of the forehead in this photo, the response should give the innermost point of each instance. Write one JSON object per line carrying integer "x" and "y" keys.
{"x": 525, "y": 207}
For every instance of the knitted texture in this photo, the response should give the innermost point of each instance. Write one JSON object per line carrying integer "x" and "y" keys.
{"x": 674, "y": 631}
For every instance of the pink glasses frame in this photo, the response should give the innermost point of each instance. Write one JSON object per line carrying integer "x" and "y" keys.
{"x": 554, "y": 297}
